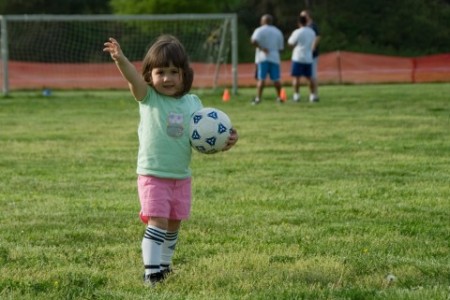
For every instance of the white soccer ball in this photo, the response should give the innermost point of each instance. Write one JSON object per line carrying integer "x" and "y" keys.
{"x": 210, "y": 129}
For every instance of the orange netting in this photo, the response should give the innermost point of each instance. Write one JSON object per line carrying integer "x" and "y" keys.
{"x": 334, "y": 67}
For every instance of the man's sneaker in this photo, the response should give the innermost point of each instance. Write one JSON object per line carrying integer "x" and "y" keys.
{"x": 313, "y": 98}
{"x": 152, "y": 279}
{"x": 279, "y": 100}
{"x": 296, "y": 97}
{"x": 256, "y": 101}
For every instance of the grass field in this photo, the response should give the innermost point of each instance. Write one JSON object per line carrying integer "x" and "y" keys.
{"x": 344, "y": 199}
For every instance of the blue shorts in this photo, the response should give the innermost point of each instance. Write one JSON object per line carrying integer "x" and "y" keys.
{"x": 301, "y": 69}
{"x": 267, "y": 67}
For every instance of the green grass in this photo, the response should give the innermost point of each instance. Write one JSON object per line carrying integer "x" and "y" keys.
{"x": 316, "y": 201}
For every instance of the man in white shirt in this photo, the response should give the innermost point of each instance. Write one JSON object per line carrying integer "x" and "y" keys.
{"x": 269, "y": 41}
{"x": 315, "y": 83}
{"x": 302, "y": 40}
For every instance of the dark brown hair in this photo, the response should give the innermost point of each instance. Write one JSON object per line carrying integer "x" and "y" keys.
{"x": 165, "y": 50}
{"x": 303, "y": 20}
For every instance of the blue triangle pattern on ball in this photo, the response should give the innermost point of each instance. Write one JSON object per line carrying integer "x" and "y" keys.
{"x": 221, "y": 128}
{"x": 197, "y": 118}
{"x": 211, "y": 141}
{"x": 195, "y": 135}
{"x": 213, "y": 115}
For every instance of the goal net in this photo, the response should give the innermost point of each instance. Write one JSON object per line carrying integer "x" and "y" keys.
{"x": 65, "y": 51}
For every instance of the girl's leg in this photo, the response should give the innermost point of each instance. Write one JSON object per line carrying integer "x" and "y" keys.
{"x": 152, "y": 245}
{"x": 168, "y": 248}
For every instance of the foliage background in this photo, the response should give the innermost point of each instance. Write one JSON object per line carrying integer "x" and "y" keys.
{"x": 401, "y": 27}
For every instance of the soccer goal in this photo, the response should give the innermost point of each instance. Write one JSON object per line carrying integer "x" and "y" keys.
{"x": 65, "y": 51}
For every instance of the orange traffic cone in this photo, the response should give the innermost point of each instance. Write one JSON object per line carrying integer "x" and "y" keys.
{"x": 226, "y": 95}
{"x": 283, "y": 96}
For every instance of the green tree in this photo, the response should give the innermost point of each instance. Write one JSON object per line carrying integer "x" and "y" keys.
{"x": 162, "y": 6}
{"x": 54, "y": 7}
{"x": 401, "y": 27}
{"x": 174, "y": 7}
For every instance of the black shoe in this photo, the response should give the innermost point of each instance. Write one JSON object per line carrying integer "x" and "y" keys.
{"x": 152, "y": 279}
{"x": 166, "y": 272}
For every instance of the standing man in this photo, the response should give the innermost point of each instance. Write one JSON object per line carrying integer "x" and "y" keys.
{"x": 314, "y": 97}
{"x": 269, "y": 41}
{"x": 302, "y": 40}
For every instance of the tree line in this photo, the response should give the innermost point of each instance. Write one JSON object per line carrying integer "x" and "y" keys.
{"x": 391, "y": 27}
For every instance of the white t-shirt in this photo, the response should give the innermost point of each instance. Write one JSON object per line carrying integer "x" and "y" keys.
{"x": 268, "y": 37}
{"x": 303, "y": 39}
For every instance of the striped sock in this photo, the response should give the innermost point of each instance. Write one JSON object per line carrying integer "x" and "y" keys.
{"x": 152, "y": 249}
{"x": 168, "y": 249}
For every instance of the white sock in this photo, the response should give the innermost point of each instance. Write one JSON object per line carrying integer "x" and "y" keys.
{"x": 168, "y": 249}
{"x": 152, "y": 249}
{"x": 296, "y": 96}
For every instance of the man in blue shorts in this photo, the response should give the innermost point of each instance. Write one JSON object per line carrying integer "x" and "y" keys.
{"x": 302, "y": 40}
{"x": 269, "y": 41}
{"x": 315, "y": 84}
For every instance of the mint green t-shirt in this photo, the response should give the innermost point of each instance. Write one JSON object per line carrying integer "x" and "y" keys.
{"x": 164, "y": 147}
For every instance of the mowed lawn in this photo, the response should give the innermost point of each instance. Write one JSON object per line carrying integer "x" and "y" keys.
{"x": 348, "y": 198}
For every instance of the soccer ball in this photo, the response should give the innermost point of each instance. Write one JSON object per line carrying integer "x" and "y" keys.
{"x": 210, "y": 129}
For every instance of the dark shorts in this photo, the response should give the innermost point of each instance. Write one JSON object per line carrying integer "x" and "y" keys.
{"x": 301, "y": 69}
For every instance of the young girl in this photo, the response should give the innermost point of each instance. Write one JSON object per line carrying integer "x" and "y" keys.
{"x": 164, "y": 176}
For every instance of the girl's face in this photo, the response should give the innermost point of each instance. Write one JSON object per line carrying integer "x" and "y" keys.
{"x": 168, "y": 80}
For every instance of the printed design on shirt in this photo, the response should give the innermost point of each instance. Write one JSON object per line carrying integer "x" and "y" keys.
{"x": 175, "y": 125}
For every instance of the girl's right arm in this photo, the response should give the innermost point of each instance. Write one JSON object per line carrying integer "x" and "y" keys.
{"x": 136, "y": 83}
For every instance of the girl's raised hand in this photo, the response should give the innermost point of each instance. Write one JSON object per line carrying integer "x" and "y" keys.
{"x": 113, "y": 48}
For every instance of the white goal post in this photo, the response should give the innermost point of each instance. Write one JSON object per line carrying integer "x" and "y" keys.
{"x": 65, "y": 51}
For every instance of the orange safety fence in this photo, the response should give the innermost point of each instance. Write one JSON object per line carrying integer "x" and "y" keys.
{"x": 348, "y": 67}
{"x": 334, "y": 67}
